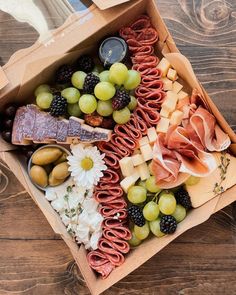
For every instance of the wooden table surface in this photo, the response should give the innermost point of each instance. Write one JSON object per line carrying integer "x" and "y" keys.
{"x": 34, "y": 260}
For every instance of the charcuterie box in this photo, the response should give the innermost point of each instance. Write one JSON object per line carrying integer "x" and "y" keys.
{"x": 32, "y": 66}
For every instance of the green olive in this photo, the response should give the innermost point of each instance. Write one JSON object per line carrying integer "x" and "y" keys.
{"x": 46, "y": 156}
{"x": 62, "y": 158}
{"x": 53, "y": 181}
{"x": 39, "y": 175}
{"x": 61, "y": 171}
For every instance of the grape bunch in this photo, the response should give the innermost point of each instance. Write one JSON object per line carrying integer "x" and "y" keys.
{"x": 91, "y": 90}
{"x": 160, "y": 210}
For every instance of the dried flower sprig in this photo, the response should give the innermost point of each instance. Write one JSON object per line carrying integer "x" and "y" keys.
{"x": 223, "y": 166}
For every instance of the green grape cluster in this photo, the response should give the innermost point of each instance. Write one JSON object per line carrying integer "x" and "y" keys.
{"x": 155, "y": 203}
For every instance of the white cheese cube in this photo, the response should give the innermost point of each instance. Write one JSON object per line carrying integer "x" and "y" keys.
{"x": 126, "y": 166}
{"x": 167, "y": 84}
{"x": 129, "y": 181}
{"x": 164, "y": 113}
{"x": 163, "y": 125}
{"x": 182, "y": 95}
{"x": 146, "y": 151}
{"x": 137, "y": 159}
{"x": 176, "y": 117}
{"x": 152, "y": 134}
{"x": 143, "y": 171}
{"x": 164, "y": 66}
{"x": 170, "y": 101}
{"x": 172, "y": 74}
{"x": 136, "y": 152}
{"x": 144, "y": 140}
{"x": 177, "y": 87}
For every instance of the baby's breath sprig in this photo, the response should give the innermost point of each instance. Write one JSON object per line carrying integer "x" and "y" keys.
{"x": 223, "y": 166}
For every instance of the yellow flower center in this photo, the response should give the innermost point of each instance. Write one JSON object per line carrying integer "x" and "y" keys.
{"x": 87, "y": 163}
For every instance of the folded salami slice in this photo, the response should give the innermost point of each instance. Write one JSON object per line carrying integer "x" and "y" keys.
{"x": 107, "y": 211}
{"x": 117, "y": 203}
{"x": 149, "y": 118}
{"x": 116, "y": 258}
{"x": 141, "y": 23}
{"x": 128, "y": 130}
{"x": 100, "y": 263}
{"x": 149, "y": 61}
{"x": 118, "y": 232}
{"x": 110, "y": 176}
{"x": 110, "y": 222}
{"x": 147, "y": 36}
{"x": 124, "y": 143}
{"x": 108, "y": 246}
{"x": 112, "y": 160}
{"x": 106, "y": 196}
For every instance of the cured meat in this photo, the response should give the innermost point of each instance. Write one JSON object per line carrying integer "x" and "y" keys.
{"x": 118, "y": 232}
{"x": 99, "y": 262}
{"x": 107, "y": 211}
{"x": 113, "y": 223}
{"x": 116, "y": 258}
{"x": 128, "y": 129}
{"x": 124, "y": 143}
{"x": 150, "y": 61}
{"x": 109, "y": 176}
{"x": 105, "y": 196}
{"x": 109, "y": 246}
{"x": 108, "y": 147}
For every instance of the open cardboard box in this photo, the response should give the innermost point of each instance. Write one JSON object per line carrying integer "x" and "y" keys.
{"x": 33, "y": 66}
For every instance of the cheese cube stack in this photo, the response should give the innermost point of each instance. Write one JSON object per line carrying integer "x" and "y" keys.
{"x": 177, "y": 87}
{"x": 172, "y": 74}
{"x": 152, "y": 134}
{"x": 164, "y": 66}
{"x": 163, "y": 125}
{"x": 129, "y": 181}
{"x": 143, "y": 171}
{"x": 176, "y": 117}
{"x": 137, "y": 159}
{"x": 167, "y": 84}
{"x": 126, "y": 166}
{"x": 146, "y": 151}
{"x": 170, "y": 102}
{"x": 144, "y": 140}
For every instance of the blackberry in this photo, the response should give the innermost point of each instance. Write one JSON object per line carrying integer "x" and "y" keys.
{"x": 63, "y": 74}
{"x": 58, "y": 106}
{"x": 136, "y": 215}
{"x": 183, "y": 198}
{"x": 120, "y": 100}
{"x": 90, "y": 81}
{"x": 85, "y": 63}
{"x": 168, "y": 224}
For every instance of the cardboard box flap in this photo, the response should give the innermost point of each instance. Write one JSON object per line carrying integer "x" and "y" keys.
{"x": 104, "y": 4}
{"x": 3, "y": 79}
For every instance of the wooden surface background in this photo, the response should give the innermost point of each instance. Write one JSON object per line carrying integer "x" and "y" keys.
{"x": 33, "y": 260}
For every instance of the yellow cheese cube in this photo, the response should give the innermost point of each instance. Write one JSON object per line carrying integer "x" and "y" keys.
{"x": 137, "y": 159}
{"x": 176, "y": 117}
{"x": 164, "y": 66}
{"x": 136, "y": 152}
{"x": 129, "y": 181}
{"x": 164, "y": 113}
{"x": 143, "y": 171}
{"x": 167, "y": 84}
{"x": 172, "y": 74}
{"x": 126, "y": 166}
{"x": 182, "y": 95}
{"x": 177, "y": 87}
{"x": 152, "y": 134}
{"x": 144, "y": 140}
{"x": 170, "y": 101}
{"x": 146, "y": 151}
{"x": 163, "y": 125}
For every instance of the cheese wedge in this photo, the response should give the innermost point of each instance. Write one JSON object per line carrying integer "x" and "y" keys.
{"x": 126, "y": 166}
{"x": 164, "y": 66}
{"x": 177, "y": 87}
{"x": 144, "y": 140}
{"x": 172, "y": 74}
{"x": 167, "y": 84}
{"x": 152, "y": 134}
{"x": 209, "y": 187}
{"x": 129, "y": 181}
{"x": 176, "y": 117}
{"x": 146, "y": 151}
{"x": 163, "y": 125}
{"x": 143, "y": 171}
{"x": 170, "y": 102}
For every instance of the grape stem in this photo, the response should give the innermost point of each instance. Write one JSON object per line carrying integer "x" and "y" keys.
{"x": 155, "y": 198}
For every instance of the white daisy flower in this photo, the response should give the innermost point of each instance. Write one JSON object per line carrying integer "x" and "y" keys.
{"x": 86, "y": 165}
